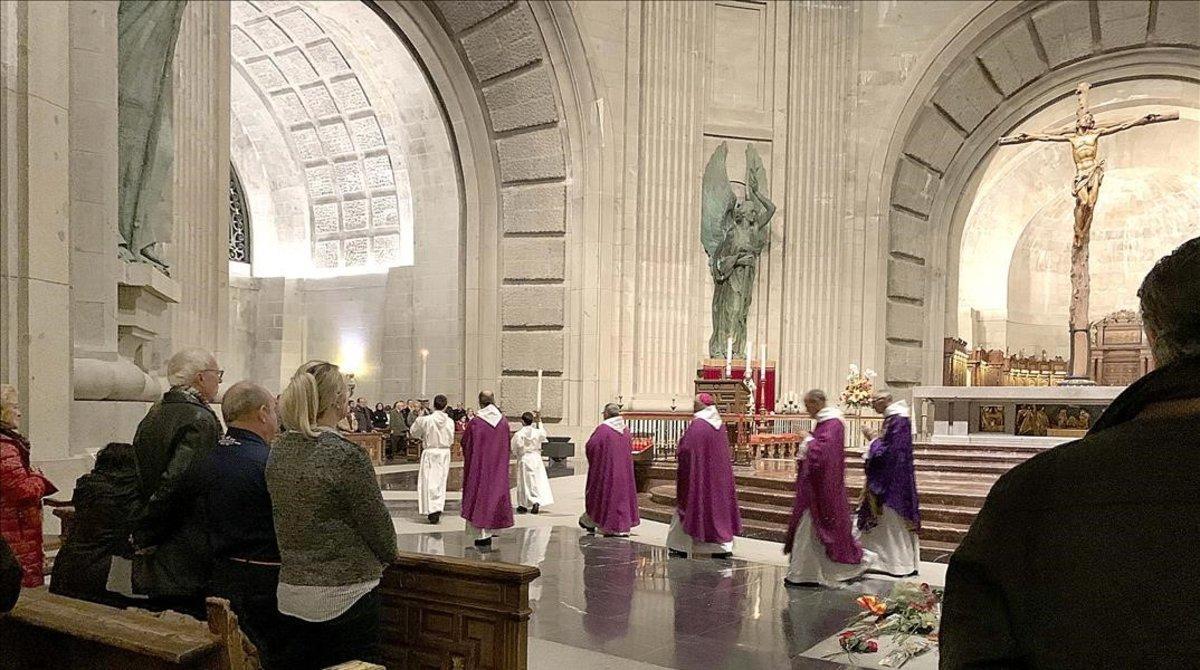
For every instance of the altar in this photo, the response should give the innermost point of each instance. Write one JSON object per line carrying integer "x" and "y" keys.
{"x": 999, "y": 415}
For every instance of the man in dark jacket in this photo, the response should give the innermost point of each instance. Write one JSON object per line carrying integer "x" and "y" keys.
{"x": 172, "y": 562}
{"x": 363, "y": 414}
{"x": 106, "y": 502}
{"x": 1082, "y": 556}
{"x": 241, "y": 530}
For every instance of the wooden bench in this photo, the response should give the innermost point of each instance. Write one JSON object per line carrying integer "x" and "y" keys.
{"x": 438, "y": 612}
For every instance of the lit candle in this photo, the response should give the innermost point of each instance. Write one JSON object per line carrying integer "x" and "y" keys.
{"x": 424, "y": 370}
{"x": 539, "y": 391}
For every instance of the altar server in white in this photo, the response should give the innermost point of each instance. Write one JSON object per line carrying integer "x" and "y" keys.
{"x": 533, "y": 486}
{"x": 436, "y": 432}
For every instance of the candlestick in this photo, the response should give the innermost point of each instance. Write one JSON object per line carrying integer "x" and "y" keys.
{"x": 424, "y": 370}
{"x": 539, "y": 392}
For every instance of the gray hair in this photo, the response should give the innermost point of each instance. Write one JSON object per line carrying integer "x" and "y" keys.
{"x": 883, "y": 394}
{"x": 612, "y": 409}
{"x": 242, "y": 399}
{"x": 816, "y": 395}
{"x": 183, "y": 367}
{"x": 1170, "y": 297}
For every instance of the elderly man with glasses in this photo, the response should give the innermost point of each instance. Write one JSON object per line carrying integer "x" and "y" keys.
{"x": 172, "y": 562}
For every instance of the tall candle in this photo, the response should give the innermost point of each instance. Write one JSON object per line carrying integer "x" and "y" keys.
{"x": 728, "y": 351}
{"x": 424, "y": 370}
{"x": 762, "y": 360}
{"x": 749, "y": 359}
{"x": 539, "y": 392}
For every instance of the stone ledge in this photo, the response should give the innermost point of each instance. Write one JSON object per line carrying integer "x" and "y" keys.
{"x": 148, "y": 278}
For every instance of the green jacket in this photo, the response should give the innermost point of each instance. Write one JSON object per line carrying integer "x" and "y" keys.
{"x": 332, "y": 526}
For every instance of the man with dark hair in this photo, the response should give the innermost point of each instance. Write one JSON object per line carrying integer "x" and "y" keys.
{"x": 486, "y": 503}
{"x": 436, "y": 432}
{"x": 533, "y": 486}
{"x": 1100, "y": 525}
{"x": 363, "y": 415}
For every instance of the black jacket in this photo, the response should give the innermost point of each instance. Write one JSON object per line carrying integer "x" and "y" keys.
{"x": 10, "y": 578}
{"x": 171, "y": 444}
{"x": 236, "y": 502}
{"x": 1083, "y": 556}
{"x": 106, "y": 503}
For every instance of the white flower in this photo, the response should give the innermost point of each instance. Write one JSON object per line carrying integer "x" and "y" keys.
{"x": 853, "y": 369}
{"x": 870, "y": 374}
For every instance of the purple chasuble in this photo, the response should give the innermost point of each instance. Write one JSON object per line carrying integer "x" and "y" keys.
{"x": 891, "y": 478}
{"x": 705, "y": 497}
{"x": 485, "y": 499}
{"x": 821, "y": 491}
{"x": 611, "y": 493}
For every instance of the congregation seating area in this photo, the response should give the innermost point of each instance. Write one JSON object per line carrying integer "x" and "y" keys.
{"x": 438, "y": 612}
{"x": 953, "y": 481}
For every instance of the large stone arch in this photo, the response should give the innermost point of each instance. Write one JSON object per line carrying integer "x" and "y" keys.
{"x": 1006, "y": 63}
{"x": 515, "y": 86}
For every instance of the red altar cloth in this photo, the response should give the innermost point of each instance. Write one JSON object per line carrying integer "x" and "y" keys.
{"x": 764, "y": 393}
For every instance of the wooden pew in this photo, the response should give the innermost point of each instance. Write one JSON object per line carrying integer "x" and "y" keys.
{"x": 455, "y": 614}
{"x": 438, "y": 612}
{"x": 46, "y": 631}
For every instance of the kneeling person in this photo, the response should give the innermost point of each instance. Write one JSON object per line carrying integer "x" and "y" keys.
{"x": 533, "y": 486}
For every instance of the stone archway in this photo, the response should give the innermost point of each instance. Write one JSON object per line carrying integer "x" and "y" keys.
{"x": 1005, "y": 64}
{"x": 513, "y": 83}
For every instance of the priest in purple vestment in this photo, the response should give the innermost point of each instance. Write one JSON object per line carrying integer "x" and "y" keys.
{"x": 611, "y": 492}
{"x": 889, "y": 515}
{"x": 486, "y": 505}
{"x": 706, "y": 509}
{"x": 820, "y": 536}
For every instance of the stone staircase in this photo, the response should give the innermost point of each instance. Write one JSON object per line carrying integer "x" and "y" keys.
{"x": 952, "y": 482}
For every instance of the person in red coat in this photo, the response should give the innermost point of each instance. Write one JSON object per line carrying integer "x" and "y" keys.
{"x": 22, "y": 488}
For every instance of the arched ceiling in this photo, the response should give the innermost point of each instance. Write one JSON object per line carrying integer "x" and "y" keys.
{"x": 339, "y": 125}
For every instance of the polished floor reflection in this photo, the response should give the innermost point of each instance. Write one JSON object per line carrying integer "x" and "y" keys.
{"x": 407, "y": 479}
{"x": 629, "y": 600}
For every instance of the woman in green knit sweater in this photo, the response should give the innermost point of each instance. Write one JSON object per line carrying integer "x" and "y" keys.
{"x": 335, "y": 535}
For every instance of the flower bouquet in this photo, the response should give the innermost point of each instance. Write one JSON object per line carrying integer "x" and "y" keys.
{"x": 859, "y": 387}
{"x": 909, "y": 615}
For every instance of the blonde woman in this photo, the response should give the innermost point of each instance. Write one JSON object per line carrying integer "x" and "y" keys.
{"x": 22, "y": 488}
{"x": 335, "y": 535}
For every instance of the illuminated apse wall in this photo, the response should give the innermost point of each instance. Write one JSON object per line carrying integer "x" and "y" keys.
{"x": 1014, "y": 266}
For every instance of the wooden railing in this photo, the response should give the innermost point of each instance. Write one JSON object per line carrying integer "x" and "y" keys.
{"x": 663, "y": 430}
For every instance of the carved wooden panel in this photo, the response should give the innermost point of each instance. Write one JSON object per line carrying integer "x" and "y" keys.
{"x": 444, "y": 613}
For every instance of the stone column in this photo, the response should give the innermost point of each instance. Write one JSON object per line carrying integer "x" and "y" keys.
{"x": 35, "y": 240}
{"x": 199, "y": 247}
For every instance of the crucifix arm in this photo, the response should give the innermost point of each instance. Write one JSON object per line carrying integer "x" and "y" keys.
{"x": 1140, "y": 121}
{"x": 1022, "y": 138}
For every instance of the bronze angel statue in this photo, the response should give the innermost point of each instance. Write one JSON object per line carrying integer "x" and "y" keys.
{"x": 734, "y": 233}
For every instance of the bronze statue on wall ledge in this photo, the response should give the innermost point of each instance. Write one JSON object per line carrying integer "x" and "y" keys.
{"x": 733, "y": 233}
{"x": 1084, "y": 136}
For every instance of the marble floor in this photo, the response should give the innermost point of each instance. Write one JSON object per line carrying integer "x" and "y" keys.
{"x": 623, "y": 603}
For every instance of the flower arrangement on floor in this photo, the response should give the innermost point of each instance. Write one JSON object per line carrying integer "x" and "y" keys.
{"x": 859, "y": 387}
{"x": 909, "y": 615}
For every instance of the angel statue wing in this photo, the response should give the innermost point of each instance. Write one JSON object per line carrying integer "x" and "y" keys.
{"x": 756, "y": 174}
{"x": 716, "y": 199}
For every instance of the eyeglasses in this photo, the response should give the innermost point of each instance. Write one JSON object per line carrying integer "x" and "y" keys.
{"x": 220, "y": 373}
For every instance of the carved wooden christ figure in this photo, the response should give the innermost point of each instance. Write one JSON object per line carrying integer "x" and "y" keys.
{"x": 733, "y": 233}
{"x": 1084, "y": 137}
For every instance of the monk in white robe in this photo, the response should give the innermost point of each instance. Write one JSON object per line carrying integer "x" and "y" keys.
{"x": 533, "y": 486}
{"x": 436, "y": 432}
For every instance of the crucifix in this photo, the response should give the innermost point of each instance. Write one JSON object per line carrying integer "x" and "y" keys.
{"x": 1084, "y": 136}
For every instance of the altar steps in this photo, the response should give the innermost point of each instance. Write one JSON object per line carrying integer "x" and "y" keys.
{"x": 765, "y": 514}
{"x": 931, "y": 550}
